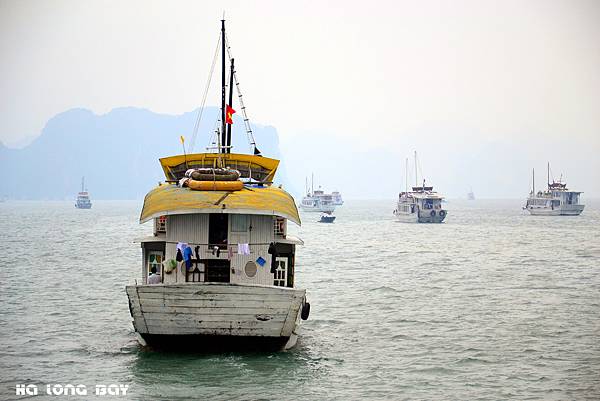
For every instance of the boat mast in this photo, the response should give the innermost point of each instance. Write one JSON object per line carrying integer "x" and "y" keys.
{"x": 223, "y": 133}
{"x": 228, "y": 144}
{"x": 312, "y": 184}
{"x": 548, "y": 176}
{"x": 416, "y": 179}
{"x": 533, "y": 182}
{"x": 406, "y": 177}
{"x": 82, "y": 183}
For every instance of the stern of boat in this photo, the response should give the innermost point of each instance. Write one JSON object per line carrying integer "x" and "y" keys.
{"x": 221, "y": 315}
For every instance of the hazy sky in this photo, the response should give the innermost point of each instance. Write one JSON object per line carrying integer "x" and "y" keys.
{"x": 513, "y": 82}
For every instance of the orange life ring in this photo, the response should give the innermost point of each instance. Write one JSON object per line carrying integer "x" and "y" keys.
{"x": 215, "y": 185}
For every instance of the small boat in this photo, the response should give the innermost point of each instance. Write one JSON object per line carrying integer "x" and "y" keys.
{"x": 219, "y": 270}
{"x": 83, "y": 197}
{"x": 556, "y": 200}
{"x": 471, "y": 195}
{"x": 317, "y": 201}
{"x": 421, "y": 205}
{"x": 327, "y": 218}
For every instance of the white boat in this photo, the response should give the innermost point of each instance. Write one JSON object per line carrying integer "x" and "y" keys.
{"x": 337, "y": 198}
{"x": 83, "y": 197}
{"x": 233, "y": 285}
{"x": 421, "y": 205}
{"x": 317, "y": 201}
{"x": 556, "y": 200}
{"x": 471, "y": 195}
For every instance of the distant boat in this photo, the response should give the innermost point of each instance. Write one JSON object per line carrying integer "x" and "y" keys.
{"x": 327, "y": 218}
{"x": 337, "y": 198}
{"x": 557, "y": 200}
{"x": 471, "y": 195}
{"x": 317, "y": 201}
{"x": 421, "y": 205}
{"x": 83, "y": 197}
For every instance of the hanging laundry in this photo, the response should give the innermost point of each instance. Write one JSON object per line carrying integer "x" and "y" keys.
{"x": 244, "y": 249}
{"x": 187, "y": 257}
{"x": 273, "y": 253}
{"x": 261, "y": 261}
{"x": 180, "y": 248}
{"x": 229, "y": 252}
{"x": 179, "y": 256}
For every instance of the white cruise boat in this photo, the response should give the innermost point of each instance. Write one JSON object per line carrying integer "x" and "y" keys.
{"x": 421, "y": 205}
{"x": 337, "y": 198}
{"x": 219, "y": 270}
{"x": 317, "y": 201}
{"x": 83, "y": 197}
{"x": 556, "y": 200}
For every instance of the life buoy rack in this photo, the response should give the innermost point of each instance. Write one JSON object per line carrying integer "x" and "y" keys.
{"x": 442, "y": 213}
{"x": 212, "y": 179}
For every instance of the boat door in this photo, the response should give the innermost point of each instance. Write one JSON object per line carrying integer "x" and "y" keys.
{"x": 280, "y": 275}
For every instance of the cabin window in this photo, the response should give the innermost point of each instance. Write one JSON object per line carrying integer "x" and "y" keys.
{"x": 217, "y": 230}
{"x": 155, "y": 259}
{"x": 280, "y": 275}
{"x": 250, "y": 269}
{"x": 160, "y": 225}
{"x": 279, "y": 226}
{"x": 239, "y": 223}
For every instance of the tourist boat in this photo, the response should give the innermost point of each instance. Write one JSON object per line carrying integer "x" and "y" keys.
{"x": 337, "y": 198}
{"x": 83, "y": 197}
{"x": 421, "y": 205}
{"x": 327, "y": 218}
{"x": 471, "y": 195}
{"x": 556, "y": 200}
{"x": 317, "y": 201}
{"x": 224, "y": 260}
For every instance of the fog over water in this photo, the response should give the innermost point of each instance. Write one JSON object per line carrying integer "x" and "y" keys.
{"x": 484, "y": 90}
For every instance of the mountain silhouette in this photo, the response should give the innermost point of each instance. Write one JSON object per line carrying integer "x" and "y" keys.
{"x": 117, "y": 152}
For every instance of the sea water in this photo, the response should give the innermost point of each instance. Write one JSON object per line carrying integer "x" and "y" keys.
{"x": 491, "y": 304}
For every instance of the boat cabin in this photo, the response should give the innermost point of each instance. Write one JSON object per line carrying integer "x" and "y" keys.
{"x": 226, "y": 248}
{"x": 232, "y": 236}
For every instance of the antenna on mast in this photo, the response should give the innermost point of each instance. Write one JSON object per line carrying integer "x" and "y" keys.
{"x": 416, "y": 179}
{"x": 223, "y": 125}
{"x": 406, "y": 177}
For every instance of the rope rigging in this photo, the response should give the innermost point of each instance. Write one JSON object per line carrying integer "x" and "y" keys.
{"x": 216, "y": 143}
{"x": 201, "y": 110}
{"x": 249, "y": 133}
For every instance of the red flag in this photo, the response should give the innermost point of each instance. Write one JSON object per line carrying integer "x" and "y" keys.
{"x": 229, "y": 114}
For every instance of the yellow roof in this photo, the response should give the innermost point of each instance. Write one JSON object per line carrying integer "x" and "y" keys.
{"x": 169, "y": 199}
{"x": 258, "y": 167}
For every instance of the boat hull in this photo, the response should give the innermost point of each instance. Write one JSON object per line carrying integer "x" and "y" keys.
{"x": 215, "y": 315}
{"x": 566, "y": 210}
{"x": 421, "y": 217}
